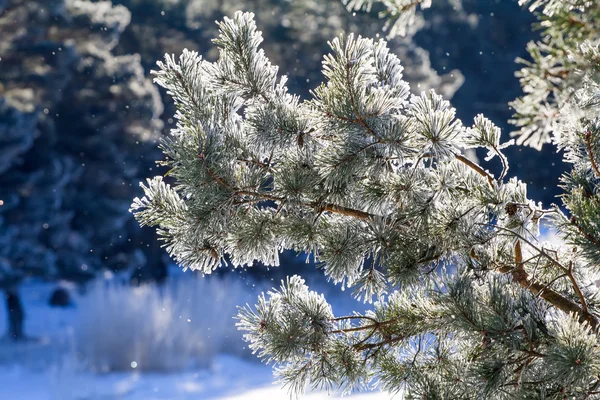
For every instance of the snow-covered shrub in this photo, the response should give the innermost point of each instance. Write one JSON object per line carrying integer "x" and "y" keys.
{"x": 182, "y": 324}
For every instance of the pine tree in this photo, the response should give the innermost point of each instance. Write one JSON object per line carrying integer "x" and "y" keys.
{"x": 371, "y": 181}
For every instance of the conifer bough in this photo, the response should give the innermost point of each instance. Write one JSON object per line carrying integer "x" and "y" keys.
{"x": 371, "y": 182}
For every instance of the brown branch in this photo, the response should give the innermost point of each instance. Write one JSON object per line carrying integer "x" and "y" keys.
{"x": 254, "y": 162}
{"x": 575, "y": 21}
{"x": 368, "y": 346}
{"x": 476, "y": 168}
{"x": 521, "y": 277}
{"x": 519, "y": 257}
{"x": 375, "y": 325}
{"x": 346, "y": 119}
{"x": 330, "y": 207}
{"x": 550, "y": 295}
{"x": 589, "y": 237}
{"x": 577, "y": 289}
{"x": 350, "y": 212}
{"x": 588, "y": 145}
{"x": 407, "y": 7}
{"x": 355, "y": 317}
{"x": 218, "y": 179}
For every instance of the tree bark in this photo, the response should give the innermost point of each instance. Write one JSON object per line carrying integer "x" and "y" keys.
{"x": 16, "y": 315}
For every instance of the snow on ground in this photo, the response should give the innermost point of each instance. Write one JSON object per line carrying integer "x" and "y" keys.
{"x": 229, "y": 379}
{"x": 45, "y": 368}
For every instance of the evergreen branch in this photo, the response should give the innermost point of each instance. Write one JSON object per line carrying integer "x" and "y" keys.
{"x": 186, "y": 88}
{"x": 359, "y": 117}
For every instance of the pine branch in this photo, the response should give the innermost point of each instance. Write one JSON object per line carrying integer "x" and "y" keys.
{"x": 371, "y": 182}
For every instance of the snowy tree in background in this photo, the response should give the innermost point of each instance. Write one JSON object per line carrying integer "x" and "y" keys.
{"x": 74, "y": 121}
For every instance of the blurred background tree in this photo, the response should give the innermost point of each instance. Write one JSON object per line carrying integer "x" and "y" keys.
{"x": 77, "y": 121}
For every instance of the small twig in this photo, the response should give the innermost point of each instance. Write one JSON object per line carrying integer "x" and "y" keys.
{"x": 350, "y": 156}
{"x": 588, "y": 145}
{"x": 549, "y": 284}
{"x": 346, "y": 119}
{"x": 254, "y": 162}
{"x": 367, "y": 346}
{"x": 577, "y": 289}
{"x": 504, "y": 164}
{"x": 476, "y": 168}
{"x": 355, "y": 317}
{"x": 589, "y": 237}
{"x": 375, "y": 325}
{"x": 220, "y": 180}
